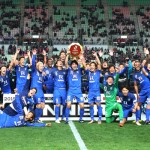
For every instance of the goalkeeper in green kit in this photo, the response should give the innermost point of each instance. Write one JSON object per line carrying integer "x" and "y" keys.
{"x": 110, "y": 91}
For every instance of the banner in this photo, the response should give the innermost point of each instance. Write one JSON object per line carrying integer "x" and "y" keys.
{"x": 49, "y": 110}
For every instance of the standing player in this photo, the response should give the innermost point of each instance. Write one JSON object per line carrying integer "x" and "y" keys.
{"x": 144, "y": 95}
{"x": 38, "y": 77}
{"x": 21, "y": 71}
{"x": 59, "y": 76}
{"x": 129, "y": 104}
{"x": 5, "y": 79}
{"x": 110, "y": 92}
{"x": 94, "y": 88}
{"x": 74, "y": 87}
{"x": 49, "y": 84}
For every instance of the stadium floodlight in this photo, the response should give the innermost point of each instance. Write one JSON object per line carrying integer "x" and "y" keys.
{"x": 35, "y": 36}
{"x": 124, "y": 36}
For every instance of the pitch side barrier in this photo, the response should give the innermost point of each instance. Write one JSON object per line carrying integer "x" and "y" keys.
{"x": 49, "y": 110}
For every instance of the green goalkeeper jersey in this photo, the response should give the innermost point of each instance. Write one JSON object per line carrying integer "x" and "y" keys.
{"x": 110, "y": 91}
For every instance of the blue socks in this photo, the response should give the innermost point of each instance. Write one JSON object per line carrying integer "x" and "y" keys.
{"x": 64, "y": 111}
{"x": 138, "y": 115}
{"x": 81, "y": 113}
{"x": 147, "y": 115}
{"x": 99, "y": 112}
{"x": 57, "y": 108}
{"x": 38, "y": 113}
{"x": 67, "y": 113}
{"x": 92, "y": 112}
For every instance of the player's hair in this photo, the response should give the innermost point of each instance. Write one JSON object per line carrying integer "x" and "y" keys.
{"x": 38, "y": 63}
{"x": 21, "y": 58}
{"x": 94, "y": 64}
{"x": 109, "y": 76}
{"x": 34, "y": 89}
{"x": 61, "y": 52}
{"x": 111, "y": 65}
{"x": 125, "y": 86}
{"x": 74, "y": 62}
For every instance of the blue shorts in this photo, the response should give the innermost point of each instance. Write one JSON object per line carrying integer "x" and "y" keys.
{"x": 19, "y": 88}
{"x": 144, "y": 95}
{"x": 3, "y": 118}
{"x": 60, "y": 96}
{"x": 127, "y": 111}
{"x": 50, "y": 89}
{"x": 39, "y": 97}
{"x": 94, "y": 97}
{"x": 75, "y": 94}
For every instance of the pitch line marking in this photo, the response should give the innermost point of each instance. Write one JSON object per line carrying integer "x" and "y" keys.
{"x": 77, "y": 136}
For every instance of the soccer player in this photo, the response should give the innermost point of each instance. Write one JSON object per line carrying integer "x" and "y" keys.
{"x": 144, "y": 94}
{"x": 110, "y": 92}
{"x": 74, "y": 87}
{"x": 49, "y": 84}
{"x": 129, "y": 104}
{"x": 21, "y": 71}
{"x": 38, "y": 77}
{"x": 94, "y": 88}
{"x": 59, "y": 75}
{"x": 19, "y": 120}
{"x": 5, "y": 79}
{"x": 22, "y": 100}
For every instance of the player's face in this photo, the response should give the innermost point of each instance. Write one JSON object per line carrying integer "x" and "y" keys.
{"x": 125, "y": 91}
{"x": 59, "y": 64}
{"x": 22, "y": 61}
{"x": 50, "y": 63}
{"x": 137, "y": 65}
{"x": 3, "y": 71}
{"x": 29, "y": 116}
{"x": 31, "y": 92}
{"x": 88, "y": 66}
{"x": 40, "y": 67}
{"x": 105, "y": 65}
{"x": 62, "y": 56}
{"x": 148, "y": 67}
{"x": 112, "y": 69}
{"x": 121, "y": 67}
{"x": 110, "y": 81}
{"x": 74, "y": 66}
{"x": 92, "y": 67}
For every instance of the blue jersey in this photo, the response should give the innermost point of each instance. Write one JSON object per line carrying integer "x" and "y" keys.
{"x": 49, "y": 75}
{"x": 21, "y": 101}
{"x": 94, "y": 80}
{"x": 5, "y": 83}
{"x": 74, "y": 79}
{"x": 37, "y": 77}
{"x": 142, "y": 80}
{"x": 21, "y": 74}
{"x": 59, "y": 77}
{"x": 127, "y": 101}
{"x": 7, "y": 121}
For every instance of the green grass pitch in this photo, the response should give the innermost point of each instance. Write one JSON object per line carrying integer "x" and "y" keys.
{"x": 60, "y": 137}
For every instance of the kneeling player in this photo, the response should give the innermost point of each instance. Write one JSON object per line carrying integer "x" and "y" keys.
{"x": 110, "y": 92}
{"x": 129, "y": 104}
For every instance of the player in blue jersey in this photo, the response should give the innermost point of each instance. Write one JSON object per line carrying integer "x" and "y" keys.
{"x": 38, "y": 77}
{"x": 144, "y": 95}
{"x": 19, "y": 120}
{"x": 22, "y": 101}
{"x": 48, "y": 69}
{"x": 21, "y": 71}
{"x": 74, "y": 87}
{"x": 5, "y": 79}
{"x": 129, "y": 104}
{"x": 59, "y": 75}
{"x": 94, "y": 96}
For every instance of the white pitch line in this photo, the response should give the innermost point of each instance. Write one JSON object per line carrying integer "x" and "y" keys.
{"x": 77, "y": 136}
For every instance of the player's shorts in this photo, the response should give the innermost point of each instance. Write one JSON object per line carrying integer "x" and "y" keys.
{"x": 144, "y": 95}
{"x": 3, "y": 118}
{"x": 126, "y": 112}
{"x": 19, "y": 88}
{"x": 111, "y": 108}
{"x": 39, "y": 97}
{"x": 75, "y": 94}
{"x": 50, "y": 89}
{"x": 60, "y": 96}
{"x": 94, "y": 97}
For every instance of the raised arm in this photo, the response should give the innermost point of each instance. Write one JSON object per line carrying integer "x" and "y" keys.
{"x": 30, "y": 59}
{"x": 67, "y": 58}
{"x": 34, "y": 59}
{"x": 16, "y": 54}
{"x": 45, "y": 57}
{"x": 98, "y": 61}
